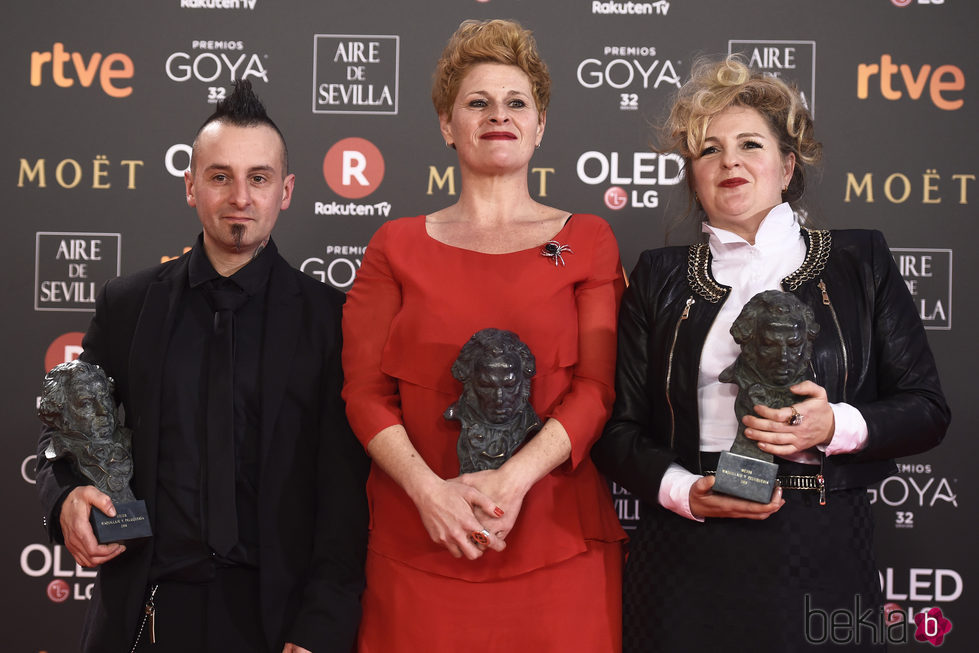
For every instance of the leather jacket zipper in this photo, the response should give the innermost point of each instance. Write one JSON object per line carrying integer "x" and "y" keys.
{"x": 846, "y": 372}
{"x": 669, "y": 367}
{"x": 821, "y": 480}
{"x": 839, "y": 332}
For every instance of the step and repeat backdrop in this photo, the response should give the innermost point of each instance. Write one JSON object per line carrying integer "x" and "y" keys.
{"x": 105, "y": 96}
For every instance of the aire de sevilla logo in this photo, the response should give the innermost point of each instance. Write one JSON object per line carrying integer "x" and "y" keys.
{"x": 353, "y": 168}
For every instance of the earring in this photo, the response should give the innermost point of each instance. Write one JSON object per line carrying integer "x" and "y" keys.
{"x": 785, "y": 188}
{"x": 538, "y": 146}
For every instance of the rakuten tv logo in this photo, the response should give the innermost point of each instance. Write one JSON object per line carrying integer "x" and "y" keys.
{"x": 944, "y": 83}
{"x": 65, "y": 68}
{"x": 353, "y": 168}
{"x": 64, "y": 349}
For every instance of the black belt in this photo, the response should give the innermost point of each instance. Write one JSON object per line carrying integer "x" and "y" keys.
{"x": 810, "y": 478}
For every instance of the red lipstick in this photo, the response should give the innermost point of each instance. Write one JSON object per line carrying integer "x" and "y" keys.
{"x": 733, "y": 182}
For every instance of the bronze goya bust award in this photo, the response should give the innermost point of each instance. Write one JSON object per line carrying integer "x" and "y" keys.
{"x": 76, "y": 401}
{"x": 776, "y": 333}
{"x": 495, "y": 369}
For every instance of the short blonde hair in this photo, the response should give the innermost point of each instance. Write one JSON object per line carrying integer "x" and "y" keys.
{"x": 488, "y": 41}
{"x": 716, "y": 85}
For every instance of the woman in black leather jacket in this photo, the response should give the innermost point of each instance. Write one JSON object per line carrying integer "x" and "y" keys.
{"x": 707, "y": 570}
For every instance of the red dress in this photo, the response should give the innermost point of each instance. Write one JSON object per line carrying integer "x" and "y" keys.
{"x": 415, "y": 302}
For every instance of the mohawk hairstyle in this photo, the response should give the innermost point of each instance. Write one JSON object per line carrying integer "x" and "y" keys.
{"x": 242, "y": 108}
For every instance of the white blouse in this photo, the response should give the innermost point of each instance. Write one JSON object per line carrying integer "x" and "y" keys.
{"x": 778, "y": 251}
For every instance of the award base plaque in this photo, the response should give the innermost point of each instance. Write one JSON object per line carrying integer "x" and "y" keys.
{"x": 130, "y": 523}
{"x": 745, "y": 478}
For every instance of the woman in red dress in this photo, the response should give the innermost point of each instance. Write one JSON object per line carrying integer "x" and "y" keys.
{"x": 526, "y": 557}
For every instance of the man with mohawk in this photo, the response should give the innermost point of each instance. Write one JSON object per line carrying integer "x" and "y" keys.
{"x": 227, "y": 367}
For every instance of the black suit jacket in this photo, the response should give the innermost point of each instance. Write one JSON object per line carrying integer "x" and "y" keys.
{"x": 312, "y": 505}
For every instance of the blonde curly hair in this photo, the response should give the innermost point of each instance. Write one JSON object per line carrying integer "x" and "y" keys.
{"x": 488, "y": 41}
{"x": 716, "y": 85}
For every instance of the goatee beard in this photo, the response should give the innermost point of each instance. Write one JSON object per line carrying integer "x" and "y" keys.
{"x": 238, "y": 234}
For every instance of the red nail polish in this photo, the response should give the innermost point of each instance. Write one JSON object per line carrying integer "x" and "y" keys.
{"x": 498, "y": 511}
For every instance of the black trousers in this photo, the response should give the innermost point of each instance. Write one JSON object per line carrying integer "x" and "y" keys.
{"x": 221, "y": 615}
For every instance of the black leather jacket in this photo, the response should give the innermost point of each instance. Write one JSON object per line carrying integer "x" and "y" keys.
{"x": 871, "y": 352}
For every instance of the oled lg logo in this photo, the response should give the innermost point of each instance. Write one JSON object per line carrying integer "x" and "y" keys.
{"x": 905, "y": 3}
{"x": 67, "y": 67}
{"x": 616, "y": 198}
{"x": 353, "y": 168}
{"x": 37, "y": 560}
{"x": 647, "y": 169}
{"x": 944, "y": 82}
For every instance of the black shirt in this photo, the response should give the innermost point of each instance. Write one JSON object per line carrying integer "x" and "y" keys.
{"x": 180, "y": 531}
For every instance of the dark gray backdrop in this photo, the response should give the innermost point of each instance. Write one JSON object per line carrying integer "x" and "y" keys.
{"x": 105, "y": 96}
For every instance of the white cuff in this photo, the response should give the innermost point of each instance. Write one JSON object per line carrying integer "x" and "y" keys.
{"x": 674, "y": 491}
{"x": 851, "y": 432}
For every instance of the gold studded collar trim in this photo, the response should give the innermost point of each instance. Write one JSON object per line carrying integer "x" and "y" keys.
{"x": 818, "y": 245}
{"x": 819, "y": 242}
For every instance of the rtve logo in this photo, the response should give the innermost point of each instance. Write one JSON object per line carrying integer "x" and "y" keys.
{"x": 65, "y": 67}
{"x": 941, "y": 82}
